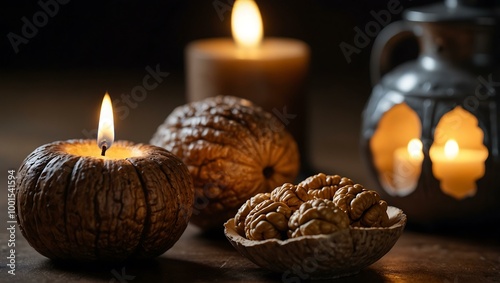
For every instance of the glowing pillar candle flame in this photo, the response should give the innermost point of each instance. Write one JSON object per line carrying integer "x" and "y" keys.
{"x": 246, "y": 24}
{"x": 270, "y": 72}
{"x": 415, "y": 149}
{"x": 106, "y": 131}
{"x": 451, "y": 149}
{"x": 457, "y": 169}
{"x": 407, "y": 168}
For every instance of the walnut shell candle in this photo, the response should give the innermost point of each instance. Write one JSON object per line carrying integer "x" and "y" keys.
{"x": 74, "y": 204}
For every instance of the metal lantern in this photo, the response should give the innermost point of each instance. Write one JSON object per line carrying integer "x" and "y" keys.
{"x": 431, "y": 128}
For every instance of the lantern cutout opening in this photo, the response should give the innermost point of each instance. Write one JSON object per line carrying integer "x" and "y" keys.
{"x": 106, "y": 131}
{"x": 397, "y": 151}
{"x": 246, "y": 26}
{"x": 458, "y": 153}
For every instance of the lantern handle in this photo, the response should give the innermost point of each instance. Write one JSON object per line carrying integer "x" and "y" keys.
{"x": 384, "y": 44}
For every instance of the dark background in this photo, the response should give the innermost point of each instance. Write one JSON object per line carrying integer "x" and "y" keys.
{"x": 51, "y": 89}
{"x": 134, "y": 34}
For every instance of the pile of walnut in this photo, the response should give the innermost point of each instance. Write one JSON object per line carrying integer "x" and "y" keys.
{"x": 321, "y": 204}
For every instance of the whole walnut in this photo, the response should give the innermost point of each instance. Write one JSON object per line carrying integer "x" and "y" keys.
{"x": 268, "y": 220}
{"x": 233, "y": 149}
{"x": 364, "y": 207}
{"x": 315, "y": 217}
{"x": 324, "y": 186}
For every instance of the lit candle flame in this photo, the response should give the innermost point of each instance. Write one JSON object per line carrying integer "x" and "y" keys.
{"x": 106, "y": 130}
{"x": 246, "y": 24}
{"x": 415, "y": 148}
{"x": 451, "y": 149}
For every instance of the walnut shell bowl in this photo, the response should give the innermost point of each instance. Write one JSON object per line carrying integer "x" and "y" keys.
{"x": 339, "y": 254}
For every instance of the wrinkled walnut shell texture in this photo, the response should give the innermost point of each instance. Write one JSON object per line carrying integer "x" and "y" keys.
{"x": 233, "y": 150}
{"x": 71, "y": 207}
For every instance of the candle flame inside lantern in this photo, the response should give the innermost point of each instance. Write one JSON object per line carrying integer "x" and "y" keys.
{"x": 246, "y": 24}
{"x": 415, "y": 148}
{"x": 106, "y": 130}
{"x": 451, "y": 149}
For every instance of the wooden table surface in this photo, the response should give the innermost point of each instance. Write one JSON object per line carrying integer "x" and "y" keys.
{"x": 40, "y": 107}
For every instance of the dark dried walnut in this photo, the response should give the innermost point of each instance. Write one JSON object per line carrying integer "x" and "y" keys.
{"x": 268, "y": 220}
{"x": 324, "y": 186}
{"x": 364, "y": 207}
{"x": 241, "y": 215}
{"x": 315, "y": 217}
{"x": 291, "y": 195}
{"x": 233, "y": 149}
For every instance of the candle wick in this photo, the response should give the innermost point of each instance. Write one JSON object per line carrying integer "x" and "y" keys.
{"x": 103, "y": 152}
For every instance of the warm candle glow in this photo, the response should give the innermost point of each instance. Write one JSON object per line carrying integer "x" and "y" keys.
{"x": 458, "y": 169}
{"x": 407, "y": 166}
{"x": 415, "y": 148}
{"x": 106, "y": 131}
{"x": 246, "y": 24}
{"x": 451, "y": 149}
